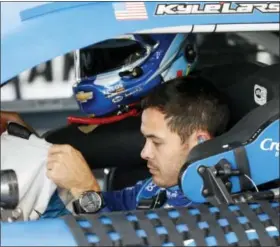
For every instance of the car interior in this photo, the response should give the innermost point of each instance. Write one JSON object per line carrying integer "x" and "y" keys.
{"x": 106, "y": 147}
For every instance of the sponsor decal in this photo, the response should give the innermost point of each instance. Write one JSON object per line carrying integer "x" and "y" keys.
{"x": 133, "y": 91}
{"x": 150, "y": 186}
{"x": 114, "y": 89}
{"x": 130, "y": 11}
{"x": 270, "y": 146}
{"x": 260, "y": 95}
{"x": 172, "y": 194}
{"x": 117, "y": 99}
{"x": 216, "y": 8}
{"x": 83, "y": 96}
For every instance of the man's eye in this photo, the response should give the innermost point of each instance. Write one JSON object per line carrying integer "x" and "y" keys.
{"x": 157, "y": 143}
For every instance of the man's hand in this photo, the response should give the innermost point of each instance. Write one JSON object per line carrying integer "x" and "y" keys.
{"x": 68, "y": 169}
{"x": 6, "y": 117}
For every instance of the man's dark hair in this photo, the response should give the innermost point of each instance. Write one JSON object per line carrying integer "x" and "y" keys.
{"x": 189, "y": 104}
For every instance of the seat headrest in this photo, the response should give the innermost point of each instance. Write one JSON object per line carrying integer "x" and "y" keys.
{"x": 246, "y": 85}
{"x": 242, "y": 132}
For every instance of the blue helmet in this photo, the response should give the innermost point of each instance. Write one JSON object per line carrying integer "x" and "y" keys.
{"x": 118, "y": 72}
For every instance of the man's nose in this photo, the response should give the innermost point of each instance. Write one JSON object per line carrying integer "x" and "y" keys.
{"x": 146, "y": 152}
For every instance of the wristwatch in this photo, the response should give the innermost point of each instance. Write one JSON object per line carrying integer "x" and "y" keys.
{"x": 89, "y": 202}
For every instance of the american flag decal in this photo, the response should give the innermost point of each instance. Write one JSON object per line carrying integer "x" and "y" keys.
{"x": 130, "y": 11}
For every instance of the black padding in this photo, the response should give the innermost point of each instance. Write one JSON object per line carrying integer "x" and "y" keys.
{"x": 112, "y": 145}
{"x": 128, "y": 234}
{"x": 213, "y": 231}
{"x": 76, "y": 230}
{"x": 195, "y": 232}
{"x": 153, "y": 238}
{"x": 264, "y": 239}
{"x": 234, "y": 225}
{"x": 238, "y": 81}
{"x": 241, "y": 94}
{"x": 266, "y": 207}
{"x": 192, "y": 218}
{"x": 174, "y": 236}
{"x": 228, "y": 74}
{"x": 99, "y": 229}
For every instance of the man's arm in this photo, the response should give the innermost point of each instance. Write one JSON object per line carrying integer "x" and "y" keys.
{"x": 122, "y": 200}
{"x": 68, "y": 169}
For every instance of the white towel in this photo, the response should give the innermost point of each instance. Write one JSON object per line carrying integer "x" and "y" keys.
{"x": 28, "y": 158}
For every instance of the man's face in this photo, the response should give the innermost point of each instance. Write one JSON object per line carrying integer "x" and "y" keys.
{"x": 163, "y": 149}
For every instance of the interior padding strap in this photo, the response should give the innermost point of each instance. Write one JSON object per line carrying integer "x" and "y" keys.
{"x": 243, "y": 165}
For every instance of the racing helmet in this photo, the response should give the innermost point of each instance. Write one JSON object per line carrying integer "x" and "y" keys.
{"x": 119, "y": 72}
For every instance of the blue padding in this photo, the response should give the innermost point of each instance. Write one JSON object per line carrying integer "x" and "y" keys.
{"x": 272, "y": 232}
{"x": 168, "y": 244}
{"x": 263, "y": 217}
{"x": 234, "y": 208}
{"x": 173, "y": 214}
{"x": 131, "y": 218}
{"x": 182, "y": 228}
{"x": 242, "y": 219}
{"x": 141, "y": 233}
{"x": 211, "y": 241}
{"x": 105, "y": 220}
{"x": 114, "y": 236}
{"x": 92, "y": 238}
{"x": 252, "y": 234}
{"x": 223, "y": 222}
{"x": 254, "y": 206}
{"x": 203, "y": 225}
{"x": 152, "y": 216}
{"x": 161, "y": 230}
{"x": 84, "y": 224}
{"x": 194, "y": 211}
{"x": 231, "y": 237}
{"x": 275, "y": 204}
{"x": 214, "y": 210}
{"x": 47, "y": 232}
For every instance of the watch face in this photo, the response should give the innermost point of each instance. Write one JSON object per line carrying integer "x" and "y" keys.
{"x": 91, "y": 202}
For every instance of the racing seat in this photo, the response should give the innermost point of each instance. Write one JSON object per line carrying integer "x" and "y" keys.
{"x": 237, "y": 158}
{"x": 242, "y": 91}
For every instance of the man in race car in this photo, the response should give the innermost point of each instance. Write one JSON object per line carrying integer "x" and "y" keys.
{"x": 176, "y": 117}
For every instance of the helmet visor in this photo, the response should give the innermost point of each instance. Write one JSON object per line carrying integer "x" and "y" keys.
{"x": 108, "y": 56}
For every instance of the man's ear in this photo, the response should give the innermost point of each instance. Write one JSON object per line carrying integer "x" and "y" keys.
{"x": 202, "y": 136}
{"x": 198, "y": 137}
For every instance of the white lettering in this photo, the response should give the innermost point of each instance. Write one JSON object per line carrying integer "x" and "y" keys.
{"x": 225, "y": 8}
{"x": 212, "y": 8}
{"x": 150, "y": 187}
{"x": 245, "y": 8}
{"x": 165, "y": 9}
{"x": 208, "y": 9}
{"x": 263, "y": 144}
{"x": 262, "y": 7}
{"x": 274, "y": 7}
{"x": 269, "y": 145}
{"x": 184, "y": 9}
